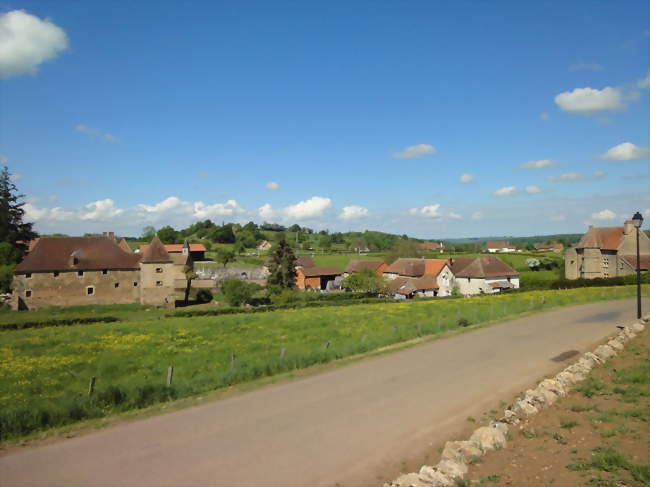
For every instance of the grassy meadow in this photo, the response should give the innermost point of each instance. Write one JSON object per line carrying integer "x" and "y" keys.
{"x": 44, "y": 373}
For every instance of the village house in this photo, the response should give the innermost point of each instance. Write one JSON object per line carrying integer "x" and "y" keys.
{"x": 408, "y": 277}
{"x": 500, "y": 246}
{"x": 196, "y": 251}
{"x": 431, "y": 246}
{"x": 483, "y": 275}
{"x": 355, "y": 265}
{"x": 322, "y": 278}
{"x": 552, "y": 247}
{"x": 607, "y": 252}
{"x": 76, "y": 271}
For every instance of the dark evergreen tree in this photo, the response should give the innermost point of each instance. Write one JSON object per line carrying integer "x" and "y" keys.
{"x": 12, "y": 226}
{"x": 282, "y": 267}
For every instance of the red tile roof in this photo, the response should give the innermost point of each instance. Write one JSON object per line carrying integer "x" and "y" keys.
{"x": 604, "y": 238}
{"x": 125, "y": 246}
{"x": 177, "y": 248}
{"x": 431, "y": 246}
{"x": 321, "y": 271}
{"x": 356, "y": 265}
{"x": 631, "y": 260}
{"x": 155, "y": 252}
{"x": 485, "y": 266}
{"x": 77, "y": 253}
{"x": 400, "y": 285}
{"x": 426, "y": 282}
{"x": 304, "y": 261}
{"x": 406, "y": 267}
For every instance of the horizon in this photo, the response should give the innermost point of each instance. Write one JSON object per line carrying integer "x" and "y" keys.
{"x": 420, "y": 119}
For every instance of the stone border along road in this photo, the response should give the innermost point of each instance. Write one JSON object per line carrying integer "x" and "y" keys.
{"x": 456, "y": 455}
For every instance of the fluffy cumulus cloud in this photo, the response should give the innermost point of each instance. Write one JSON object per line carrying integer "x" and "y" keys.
{"x": 416, "y": 151}
{"x": 353, "y": 212}
{"x": 587, "y": 101}
{"x": 96, "y": 133}
{"x": 539, "y": 164}
{"x": 27, "y": 41}
{"x": 533, "y": 189}
{"x": 314, "y": 207}
{"x": 626, "y": 151}
{"x": 100, "y": 210}
{"x": 604, "y": 215}
{"x": 466, "y": 178}
{"x": 506, "y": 191}
{"x": 272, "y": 186}
{"x": 430, "y": 211}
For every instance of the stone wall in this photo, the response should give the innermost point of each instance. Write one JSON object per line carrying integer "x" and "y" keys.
{"x": 254, "y": 273}
{"x": 70, "y": 288}
{"x": 157, "y": 284}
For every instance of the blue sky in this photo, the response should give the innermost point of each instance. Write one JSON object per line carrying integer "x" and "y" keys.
{"x": 365, "y": 115}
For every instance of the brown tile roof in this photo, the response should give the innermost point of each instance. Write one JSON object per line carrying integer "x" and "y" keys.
{"x": 485, "y": 266}
{"x": 77, "y": 253}
{"x": 407, "y": 267}
{"x": 400, "y": 285}
{"x": 125, "y": 246}
{"x": 172, "y": 248}
{"x": 304, "y": 261}
{"x": 179, "y": 259}
{"x": 321, "y": 271}
{"x": 155, "y": 252}
{"x": 356, "y": 265}
{"x": 497, "y": 244}
{"x": 430, "y": 246}
{"x": 605, "y": 238}
{"x": 426, "y": 282}
{"x": 553, "y": 246}
{"x": 434, "y": 266}
{"x": 643, "y": 259}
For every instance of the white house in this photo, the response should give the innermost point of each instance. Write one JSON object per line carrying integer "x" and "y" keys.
{"x": 483, "y": 275}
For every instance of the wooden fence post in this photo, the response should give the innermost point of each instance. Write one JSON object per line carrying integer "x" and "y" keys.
{"x": 327, "y": 344}
{"x": 91, "y": 386}
{"x": 283, "y": 350}
{"x": 233, "y": 357}
{"x": 170, "y": 375}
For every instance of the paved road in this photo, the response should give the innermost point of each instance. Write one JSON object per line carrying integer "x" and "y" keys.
{"x": 343, "y": 426}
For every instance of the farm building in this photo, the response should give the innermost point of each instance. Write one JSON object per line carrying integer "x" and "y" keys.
{"x": 483, "y": 275}
{"x": 355, "y": 265}
{"x": 317, "y": 278}
{"x": 196, "y": 251}
{"x": 425, "y": 277}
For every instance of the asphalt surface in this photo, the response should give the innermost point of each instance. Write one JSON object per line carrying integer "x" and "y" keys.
{"x": 340, "y": 427}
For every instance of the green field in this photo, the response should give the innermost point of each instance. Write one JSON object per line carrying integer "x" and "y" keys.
{"x": 44, "y": 373}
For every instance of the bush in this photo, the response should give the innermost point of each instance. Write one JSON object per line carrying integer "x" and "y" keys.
{"x": 463, "y": 322}
{"x": 55, "y": 322}
{"x": 204, "y": 296}
{"x": 238, "y": 292}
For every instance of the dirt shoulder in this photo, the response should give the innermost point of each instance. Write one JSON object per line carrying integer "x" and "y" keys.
{"x": 598, "y": 435}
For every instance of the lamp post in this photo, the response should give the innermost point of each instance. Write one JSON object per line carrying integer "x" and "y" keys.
{"x": 638, "y": 221}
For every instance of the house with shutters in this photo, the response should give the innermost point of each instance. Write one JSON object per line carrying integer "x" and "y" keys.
{"x": 77, "y": 271}
{"x": 408, "y": 277}
{"x": 607, "y": 252}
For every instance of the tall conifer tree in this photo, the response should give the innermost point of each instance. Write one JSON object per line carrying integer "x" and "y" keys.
{"x": 282, "y": 268}
{"x": 12, "y": 227}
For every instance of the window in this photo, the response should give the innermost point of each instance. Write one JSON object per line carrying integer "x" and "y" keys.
{"x": 28, "y": 293}
{"x": 117, "y": 284}
{"x": 90, "y": 290}
{"x": 158, "y": 283}
{"x": 104, "y": 272}
{"x": 80, "y": 273}
{"x": 135, "y": 284}
{"x": 28, "y": 275}
{"x": 159, "y": 270}
{"x": 55, "y": 274}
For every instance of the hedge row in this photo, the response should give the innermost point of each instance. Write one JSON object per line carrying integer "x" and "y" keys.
{"x": 59, "y": 322}
{"x": 599, "y": 282}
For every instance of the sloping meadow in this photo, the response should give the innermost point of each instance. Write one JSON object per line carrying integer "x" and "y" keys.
{"x": 45, "y": 373}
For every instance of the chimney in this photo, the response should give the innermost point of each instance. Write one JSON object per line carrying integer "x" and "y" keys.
{"x": 628, "y": 227}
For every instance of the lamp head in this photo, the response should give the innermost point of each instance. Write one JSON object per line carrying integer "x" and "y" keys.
{"x": 637, "y": 219}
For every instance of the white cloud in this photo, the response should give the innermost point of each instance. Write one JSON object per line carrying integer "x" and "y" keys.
{"x": 647, "y": 212}
{"x": 533, "y": 189}
{"x": 587, "y": 101}
{"x": 557, "y": 218}
{"x": 477, "y": 215}
{"x": 506, "y": 191}
{"x": 545, "y": 116}
{"x": 645, "y": 82}
{"x": 416, "y": 151}
{"x": 100, "y": 210}
{"x": 266, "y": 211}
{"x": 95, "y": 132}
{"x": 229, "y": 208}
{"x": 582, "y": 66}
{"x": 27, "y": 41}
{"x": 312, "y": 208}
{"x": 455, "y": 216}
{"x": 604, "y": 215}
{"x": 626, "y": 152}
{"x": 466, "y": 178}
{"x": 272, "y": 186}
{"x": 353, "y": 212}
{"x": 540, "y": 164}
{"x": 573, "y": 177}
{"x": 430, "y": 211}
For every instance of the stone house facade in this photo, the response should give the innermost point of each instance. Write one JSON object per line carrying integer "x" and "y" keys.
{"x": 483, "y": 275}
{"x": 78, "y": 271}
{"x": 607, "y": 252}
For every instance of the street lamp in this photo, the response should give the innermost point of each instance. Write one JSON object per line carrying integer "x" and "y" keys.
{"x": 638, "y": 221}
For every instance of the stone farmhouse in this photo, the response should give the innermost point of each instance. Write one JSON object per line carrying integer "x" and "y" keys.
{"x": 483, "y": 275}
{"x": 76, "y": 271}
{"x": 320, "y": 278}
{"x": 422, "y": 277}
{"x": 196, "y": 251}
{"x": 500, "y": 246}
{"x": 607, "y": 252}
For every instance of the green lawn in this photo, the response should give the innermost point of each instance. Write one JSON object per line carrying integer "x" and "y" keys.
{"x": 44, "y": 373}
{"x": 123, "y": 312}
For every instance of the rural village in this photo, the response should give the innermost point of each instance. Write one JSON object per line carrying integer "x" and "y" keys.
{"x": 324, "y": 244}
